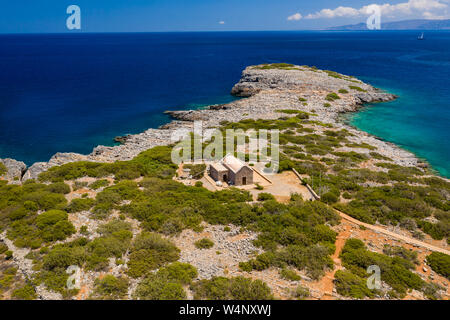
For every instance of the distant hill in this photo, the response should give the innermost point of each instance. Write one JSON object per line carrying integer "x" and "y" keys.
{"x": 418, "y": 24}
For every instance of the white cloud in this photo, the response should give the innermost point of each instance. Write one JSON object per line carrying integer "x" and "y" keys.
{"x": 413, "y": 8}
{"x": 295, "y": 17}
{"x": 432, "y": 16}
{"x": 221, "y": 22}
{"x": 336, "y": 13}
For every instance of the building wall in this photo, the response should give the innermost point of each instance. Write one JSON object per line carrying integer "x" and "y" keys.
{"x": 217, "y": 175}
{"x": 235, "y": 178}
{"x": 244, "y": 172}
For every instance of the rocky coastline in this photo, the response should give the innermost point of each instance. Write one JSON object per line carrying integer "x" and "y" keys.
{"x": 264, "y": 91}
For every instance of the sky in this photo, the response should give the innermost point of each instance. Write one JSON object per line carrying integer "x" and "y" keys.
{"x": 48, "y": 16}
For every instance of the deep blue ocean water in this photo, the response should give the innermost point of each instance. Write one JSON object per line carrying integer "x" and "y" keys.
{"x": 72, "y": 92}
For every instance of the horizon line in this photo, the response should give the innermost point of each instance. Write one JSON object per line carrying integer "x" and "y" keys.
{"x": 213, "y": 31}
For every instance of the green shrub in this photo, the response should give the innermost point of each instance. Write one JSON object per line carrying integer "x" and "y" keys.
{"x": 84, "y": 230}
{"x": 282, "y": 66}
{"x": 178, "y": 272}
{"x": 3, "y": 169}
{"x": 378, "y": 156}
{"x": 259, "y": 187}
{"x": 351, "y": 285}
{"x": 150, "y": 251}
{"x": 357, "y": 88}
{"x": 315, "y": 259}
{"x": 395, "y": 251}
{"x": 27, "y": 292}
{"x": 59, "y": 187}
{"x": 46, "y": 200}
{"x": 3, "y": 248}
{"x": 395, "y": 271}
{"x": 196, "y": 170}
{"x": 78, "y": 205}
{"x": 99, "y": 184}
{"x": 264, "y": 196}
{"x": 332, "y": 96}
{"x": 440, "y": 263}
{"x": 114, "y": 241}
{"x": 31, "y": 206}
{"x": 50, "y": 218}
{"x": 204, "y": 243}
{"x": 344, "y": 91}
{"x": 301, "y": 292}
{"x": 239, "y": 288}
{"x": 110, "y": 288}
{"x": 155, "y": 162}
{"x": 289, "y": 274}
{"x": 158, "y": 287}
{"x": 32, "y": 231}
{"x": 329, "y": 198}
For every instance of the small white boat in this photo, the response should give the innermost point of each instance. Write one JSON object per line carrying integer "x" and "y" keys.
{"x": 421, "y": 37}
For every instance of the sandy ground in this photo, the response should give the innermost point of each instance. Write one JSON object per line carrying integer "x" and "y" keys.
{"x": 283, "y": 186}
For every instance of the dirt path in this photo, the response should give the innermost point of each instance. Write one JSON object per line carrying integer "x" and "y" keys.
{"x": 327, "y": 282}
{"x": 397, "y": 236}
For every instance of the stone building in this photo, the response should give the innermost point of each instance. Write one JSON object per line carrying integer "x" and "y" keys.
{"x": 231, "y": 170}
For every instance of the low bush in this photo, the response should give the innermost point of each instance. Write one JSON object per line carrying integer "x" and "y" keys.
{"x": 78, "y": 205}
{"x": 179, "y": 272}
{"x": 289, "y": 274}
{"x": 196, "y": 170}
{"x": 357, "y": 88}
{"x": 101, "y": 183}
{"x": 332, "y": 96}
{"x": 3, "y": 169}
{"x": 351, "y": 285}
{"x": 239, "y": 288}
{"x": 149, "y": 252}
{"x": 27, "y": 292}
{"x": 158, "y": 287}
{"x": 264, "y": 196}
{"x": 110, "y": 288}
{"x": 301, "y": 292}
{"x": 204, "y": 243}
{"x": 59, "y": 187}
{"x": 440, "y": 263}
{"x": 395, "y": 271}
{"x": 395, "y": 251}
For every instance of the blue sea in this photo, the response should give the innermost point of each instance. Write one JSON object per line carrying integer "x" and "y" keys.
{"x": 72, "y": 92}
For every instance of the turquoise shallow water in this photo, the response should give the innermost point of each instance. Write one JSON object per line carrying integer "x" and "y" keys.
{"x": 416, "y": 121}
{"x": 71, "y": 92}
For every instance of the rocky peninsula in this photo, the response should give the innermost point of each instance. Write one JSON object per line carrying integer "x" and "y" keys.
{"x": 128, "y": 220}
{"x": 266, "y": 88}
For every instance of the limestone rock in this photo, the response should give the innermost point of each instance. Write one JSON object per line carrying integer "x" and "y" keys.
{"x": 15, "y": 169}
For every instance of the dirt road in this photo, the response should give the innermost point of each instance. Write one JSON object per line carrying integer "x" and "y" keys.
{"x": 397, "y": 236}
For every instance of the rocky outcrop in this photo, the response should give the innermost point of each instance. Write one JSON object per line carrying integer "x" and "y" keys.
{"x": 189, "y": 115}
{"x": 267, "y": 90}
{"x": 15, "y": 169}
{"x": 122, "y": 139}
{"x": 371, "y": 97}
{"x": 57, "y": 160}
